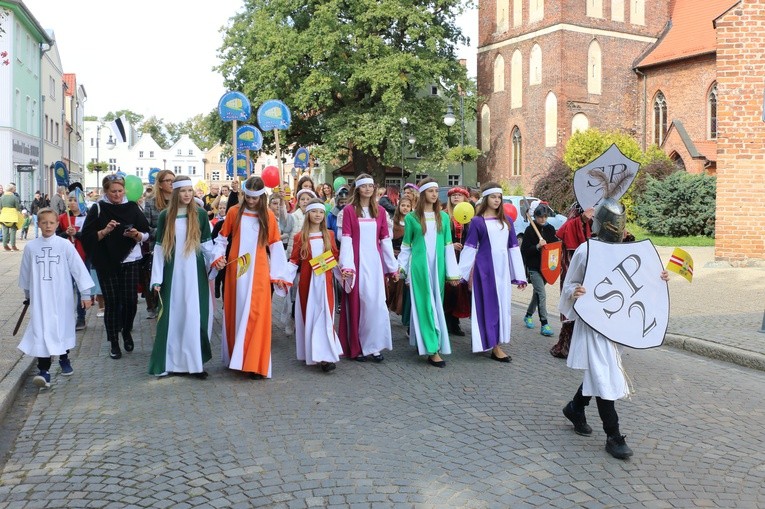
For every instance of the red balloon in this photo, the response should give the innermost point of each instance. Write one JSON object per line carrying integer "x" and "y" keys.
{"x": 510, "y": 210}
{"x": 270, "y": 176}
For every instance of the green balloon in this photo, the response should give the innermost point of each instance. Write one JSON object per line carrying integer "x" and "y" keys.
{"x": 339, "y": 182}
{"x": 133, "y": 188}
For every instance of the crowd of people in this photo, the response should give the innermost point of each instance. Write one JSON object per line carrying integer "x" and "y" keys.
{"x": 329, "y": 264}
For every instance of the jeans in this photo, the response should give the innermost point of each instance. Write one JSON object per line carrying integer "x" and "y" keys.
{"x": 9, "y": 235}
{"x": 539, "y": 299}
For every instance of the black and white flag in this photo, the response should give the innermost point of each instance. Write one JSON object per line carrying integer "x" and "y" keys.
{"x": 120, "y": 127}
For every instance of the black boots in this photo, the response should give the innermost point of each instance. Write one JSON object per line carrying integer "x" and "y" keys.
{"x": 577, "y": 419}
{"x": 115, "y": 352}
{"x": 617, "y": 447}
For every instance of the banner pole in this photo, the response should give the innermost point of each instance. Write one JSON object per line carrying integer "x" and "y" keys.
{"x": 279, "y": 157}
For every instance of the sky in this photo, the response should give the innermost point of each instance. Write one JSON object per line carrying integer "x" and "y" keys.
{"x": 154, "y": 57}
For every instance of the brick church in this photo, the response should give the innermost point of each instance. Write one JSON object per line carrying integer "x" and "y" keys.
{"x": 687, "y": 75}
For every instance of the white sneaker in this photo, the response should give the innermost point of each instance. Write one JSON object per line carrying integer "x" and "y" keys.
{"x": 100, "y": 313}
{"x": 289, "y": 329}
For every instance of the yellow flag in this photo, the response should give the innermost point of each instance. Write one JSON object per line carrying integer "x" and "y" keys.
{"x": 243, "y": 264}
{"x": 323, "y": 263}
{"x": 681, "y": 263}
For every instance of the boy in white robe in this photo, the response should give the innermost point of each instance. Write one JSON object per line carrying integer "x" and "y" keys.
{"x": 590, "y": 351}
{"x": 48, "y": 266}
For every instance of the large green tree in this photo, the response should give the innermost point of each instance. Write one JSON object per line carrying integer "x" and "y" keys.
{"x": 349, "y": 70}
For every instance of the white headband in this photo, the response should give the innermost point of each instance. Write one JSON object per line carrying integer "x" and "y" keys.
{"x": 316, "y": 206}
{"x": 427, "y": 186}
{"x": 365, "y": 180}
{"x": 181, "y": 183}
{"x": 254, "y": 194}
{"x": 491, "y": 190}
{"x": 305, "y": 191}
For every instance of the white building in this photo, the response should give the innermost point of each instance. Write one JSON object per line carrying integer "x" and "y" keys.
{"x": 183, "y": 158}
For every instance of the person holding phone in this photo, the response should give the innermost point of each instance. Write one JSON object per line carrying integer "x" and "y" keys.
{"x": 112, "y": 235}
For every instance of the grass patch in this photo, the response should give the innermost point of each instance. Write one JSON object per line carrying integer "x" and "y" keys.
{"x": 696, "y": 241}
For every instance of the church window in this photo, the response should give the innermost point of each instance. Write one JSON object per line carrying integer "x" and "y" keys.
{"x": 516, "y": 80}
{"x": 580, "y": 122}
{"x": 594, "y": 8}
{"x": 535, "y": 65}
{"x": 536, "y": 10}
{"x": 517, "y": 13}
{"x": 712, "y": 112}
{"x": 617, "y": 10}
{"x": 637, "y": 12}
{"x": 485, "y": 128}
{"x": 502, "y": 21}
{"x": 659, "y": 118}
{"x": 499, "y": 74}
{"x": 551, "y": 120}
{"x": 594, "y": 68}
{"x": 517, "y": 148}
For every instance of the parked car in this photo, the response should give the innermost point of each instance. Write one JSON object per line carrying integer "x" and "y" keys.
{"x": 521, "y": 222}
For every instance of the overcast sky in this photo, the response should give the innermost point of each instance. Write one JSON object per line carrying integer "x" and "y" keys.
{"x": 154, "y": 57}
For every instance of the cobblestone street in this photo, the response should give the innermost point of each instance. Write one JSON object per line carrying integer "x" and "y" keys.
{"x": 476, "y": 434}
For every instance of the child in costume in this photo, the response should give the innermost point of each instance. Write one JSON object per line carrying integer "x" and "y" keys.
{"x": 48, "y": 266}
{"x": 532, "y": 258}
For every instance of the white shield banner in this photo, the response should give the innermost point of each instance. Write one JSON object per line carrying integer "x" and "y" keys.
{"x": 611, "y": 174}
{"x": 626, "y": 299}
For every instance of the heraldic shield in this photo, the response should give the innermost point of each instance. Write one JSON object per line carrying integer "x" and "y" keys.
{"x": 626, "y": 299}
{"x": 550, "y": 262}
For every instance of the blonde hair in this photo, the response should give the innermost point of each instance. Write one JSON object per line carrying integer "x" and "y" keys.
{"x": 356, "y": 198}
{"x": 305, "y": 242}
{"x": 419, "y": 209}
{"x": 484, "y": 206}
{"x": 193, "y": 230}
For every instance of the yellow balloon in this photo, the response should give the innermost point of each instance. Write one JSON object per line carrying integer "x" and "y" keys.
{"x": 463, "y": 212}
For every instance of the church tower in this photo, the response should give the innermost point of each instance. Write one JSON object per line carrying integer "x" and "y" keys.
{"x": 547, "y": 68}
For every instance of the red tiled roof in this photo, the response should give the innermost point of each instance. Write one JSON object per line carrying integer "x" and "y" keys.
{"x": 707, "y": 148}
{"x": 692, "y": 32}
{"x": 71, "y": 81}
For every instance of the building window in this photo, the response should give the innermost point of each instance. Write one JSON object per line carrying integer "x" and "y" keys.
{"x": 499, "y": 74}
{"x": 536, "y": 10}
{"x": 517, "y": 13}
{"x": 216, "y": 175}
{"x": 139, "y": 171}
{"x": 151, "y": 153}
{"x": 92, "y": 141}
{"x": 659, "y": 118}
{"x": 551, "y": 120}
{"x": 637, "y": 12}
{"x": 52, "y": 86}
{"x": 677, "y": 160}
{"x": 191, "y": 152}
{"x": 433, "y": 89}
{"x": 485, "y": 128}
{"x": 517, "y": 147}
{"x": 192, "y": 170}
{"x": 453, "y": 180}
{"x": 580, "y": 122}
{"x": 535, "y": 65}
{"x": 617, "y": 10}
{"x": 28, "y": 116}
{"x": 502, "y": 16}
{"x": 56, "y": 132}
{"x": 177, "y": 170}
{"x": 47, "y": 131}
{"x": 712, "y": 112}
{"x": 179, "y": 152}
{"x": 594, "y": 68}
{"x": 112, "y": 165}
{"x": 516, "y": 80}
{"x": 222, "y": 158}
{"x": 51, "y": 131}
{"x": 140, "y": 153}
{"x": 33, "y": 119}
{"x": 594, "y": 8}
{"x": 420, "y": 176}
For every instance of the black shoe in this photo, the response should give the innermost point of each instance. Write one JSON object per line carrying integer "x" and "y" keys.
{"x": 506, "y": 358}
{"x": 115, "y": 352}
{"x": 80, "y": 325}
{"x": 202, "y": 375}
{"x": 128, "y": 339}
{"x": 361, "y": 358}
{"x": 256, "y": 376}
{"x": 377, "y": 357}
{"x": 438, "y": 364}
{"x": 456, "y": 331}
{"x": 578, "y": 419}
{"x": 617, "y": 447}
{"x": 328, "y": 366}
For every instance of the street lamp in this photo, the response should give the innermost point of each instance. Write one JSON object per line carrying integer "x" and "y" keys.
{"x": 450, "y": 120}
{"x": 110, "y": 143}
{"x": 404, "y": 122}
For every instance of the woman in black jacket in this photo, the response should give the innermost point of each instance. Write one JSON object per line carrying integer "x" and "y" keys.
{"x": 112, "y": 237}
